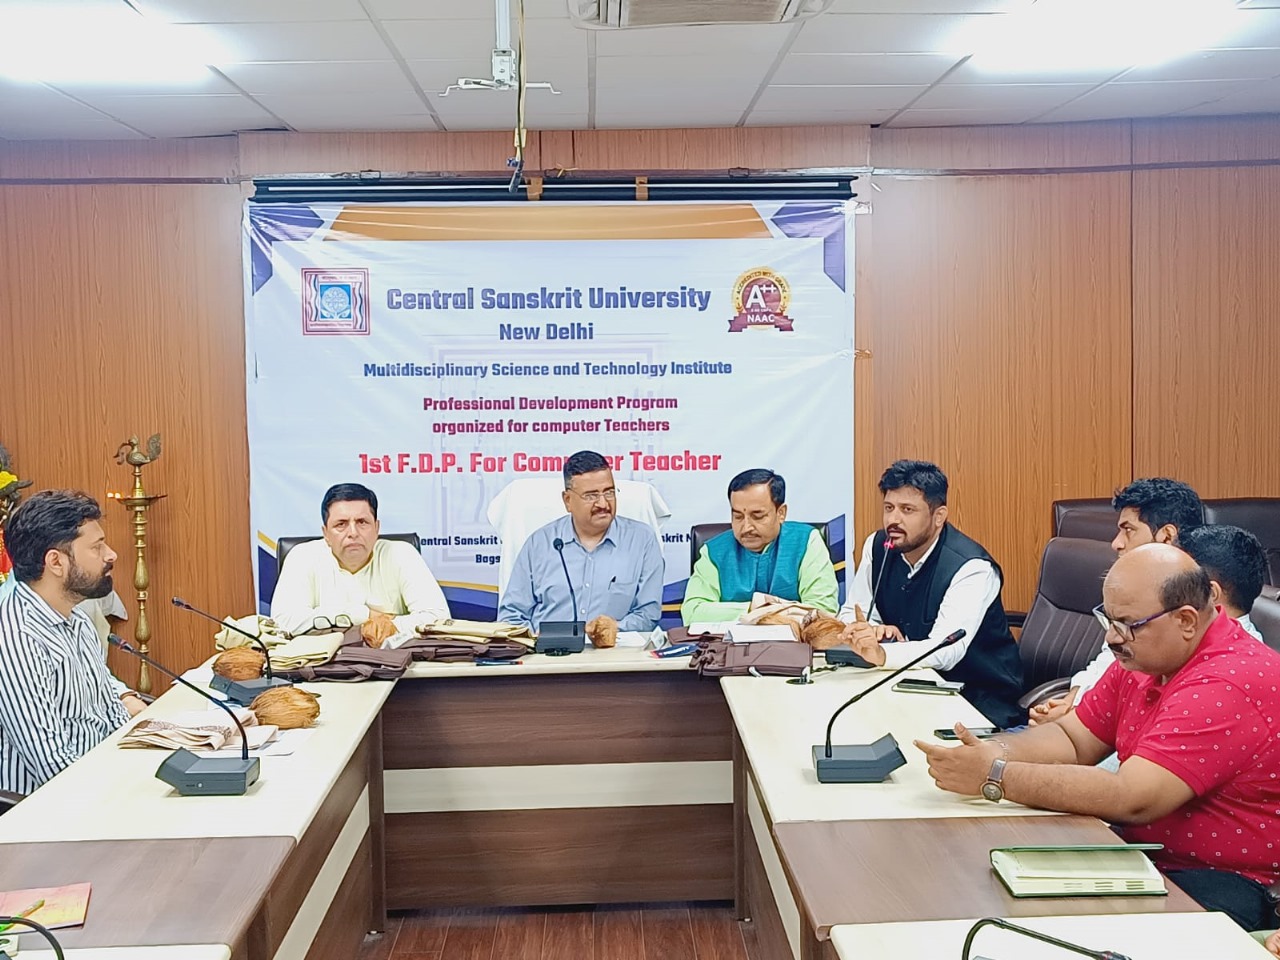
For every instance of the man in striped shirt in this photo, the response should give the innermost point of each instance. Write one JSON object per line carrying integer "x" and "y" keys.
{"x": 57, "y": 700}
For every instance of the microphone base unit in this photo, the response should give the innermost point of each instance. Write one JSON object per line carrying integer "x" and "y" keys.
{"x": 858, "y": 763}
{"x": 195, "y": 776}
{"x": 845, "y": 657}
{"x": 559, "y": 638}
{"x": 244, "y": 692}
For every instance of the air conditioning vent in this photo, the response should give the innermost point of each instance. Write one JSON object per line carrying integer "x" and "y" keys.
{"x": 620, "y": 14}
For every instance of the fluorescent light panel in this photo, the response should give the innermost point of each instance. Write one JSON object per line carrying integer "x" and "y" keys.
{"x": 79, "y": 43}
{"x": 1069, "y": 35}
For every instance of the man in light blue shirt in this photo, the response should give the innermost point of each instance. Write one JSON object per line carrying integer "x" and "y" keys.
{"x": 614, "y": 564}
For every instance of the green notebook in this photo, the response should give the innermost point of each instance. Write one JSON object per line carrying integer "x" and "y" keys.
{"x": 1104, "y": 870}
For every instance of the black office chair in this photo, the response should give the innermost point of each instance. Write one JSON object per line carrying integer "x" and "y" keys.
{"x": 1266, "y": 617}
{"x": 1085, "y": 519}
{"x": 285, "y": 544}
{"x": 701, "y": 533}
{"x": 1061, "y": 635}
{"x": 8, "y": 800}
{"x": 1260, "y": 516}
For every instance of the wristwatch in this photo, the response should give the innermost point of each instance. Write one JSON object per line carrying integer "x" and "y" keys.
{"x": 993, "y": 790}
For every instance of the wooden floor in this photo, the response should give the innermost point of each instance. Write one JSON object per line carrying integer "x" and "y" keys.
{"x": 678, "y": 931}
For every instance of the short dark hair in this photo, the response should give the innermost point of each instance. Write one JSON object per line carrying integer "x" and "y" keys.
{"x": 1189, "y": 588}
{"x": 346, "y": 493}
{"x": 1161, "y": 501}
{"x": 584, "y": 461}
{"x": 1232, "y": 556}
{"x": 48, "y": 520}
{"x": 753, "y": 478}
{"x": 920, "y": 474}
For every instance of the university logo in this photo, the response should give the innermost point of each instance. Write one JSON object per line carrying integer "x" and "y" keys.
{"x": 335, "y": 302}
{"x": 760, "y": 298}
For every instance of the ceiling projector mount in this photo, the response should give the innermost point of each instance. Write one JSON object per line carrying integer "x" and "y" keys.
{"x": 506, "y": 62}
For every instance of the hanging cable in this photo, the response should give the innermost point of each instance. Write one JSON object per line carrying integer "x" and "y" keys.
{"x": 520, "y": 95}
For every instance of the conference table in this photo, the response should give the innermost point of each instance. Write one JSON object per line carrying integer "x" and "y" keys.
{"x": 606, "y": 776}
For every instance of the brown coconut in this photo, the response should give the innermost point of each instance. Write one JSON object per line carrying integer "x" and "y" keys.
{"x": 286, "y": 708}
{"x": 602, "y": 632}
{"x": 239, "y": 663}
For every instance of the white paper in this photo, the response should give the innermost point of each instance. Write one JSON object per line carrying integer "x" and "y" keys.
{"x": 754, "y": 633}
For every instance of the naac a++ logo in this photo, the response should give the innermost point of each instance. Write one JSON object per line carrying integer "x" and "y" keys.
{"x": 760, "y": 298}
{"x": 335, "y": 302}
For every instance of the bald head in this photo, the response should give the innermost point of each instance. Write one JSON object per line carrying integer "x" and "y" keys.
{"x": 1166, "y": 594}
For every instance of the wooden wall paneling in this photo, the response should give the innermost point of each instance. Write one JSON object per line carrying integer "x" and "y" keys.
{"x": 214, "y": 157}
{"x": 122, "y": 305}
{"x": 1206, "y": 249}
{"x": 756, "y": 148}
{"x": 1033, "y": 147}
{"x": 999, "y": 313}
{"x": 263, "y": 154}
{"x": 1199, "y": 139}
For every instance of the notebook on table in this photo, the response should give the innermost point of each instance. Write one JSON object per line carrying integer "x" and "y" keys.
{"x": 1079, "y": 871}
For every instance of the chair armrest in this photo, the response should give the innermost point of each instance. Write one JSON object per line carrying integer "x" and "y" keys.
{"x": 1016, "y": 618}
{"x": 1050, "y": 688}
{"x": 7, "y": 799}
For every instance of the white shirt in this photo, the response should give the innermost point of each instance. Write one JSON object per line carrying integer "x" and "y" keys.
{"x": 395, "y": 580}
{"x": 973, "y": 589}
{"x": 1088, "y": 677}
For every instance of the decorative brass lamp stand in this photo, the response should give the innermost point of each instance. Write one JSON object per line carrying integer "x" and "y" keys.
{"x": 139, "y": 502}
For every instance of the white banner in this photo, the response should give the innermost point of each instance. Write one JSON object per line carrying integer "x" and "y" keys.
{"x": 438, "y": 353}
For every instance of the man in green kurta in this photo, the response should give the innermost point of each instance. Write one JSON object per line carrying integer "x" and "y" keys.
{"x": 763, "y": 553}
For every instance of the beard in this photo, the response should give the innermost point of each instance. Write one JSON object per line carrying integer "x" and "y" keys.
{"x": 81, "y": 584}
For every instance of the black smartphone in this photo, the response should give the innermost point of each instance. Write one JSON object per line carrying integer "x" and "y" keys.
{"x": 982, "y": 733}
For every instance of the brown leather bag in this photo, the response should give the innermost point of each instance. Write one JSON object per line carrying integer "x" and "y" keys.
{"x": 458, "y": 650}
{"x": 766, "y": 658}
{"x": 355, "y": 661}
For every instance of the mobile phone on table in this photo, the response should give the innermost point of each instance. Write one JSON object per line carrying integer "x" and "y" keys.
{"x": 939, "y": 687}
{"x": 982, "y": 733}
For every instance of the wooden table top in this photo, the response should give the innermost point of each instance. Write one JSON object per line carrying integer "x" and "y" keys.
{"x": 885, "y": 871}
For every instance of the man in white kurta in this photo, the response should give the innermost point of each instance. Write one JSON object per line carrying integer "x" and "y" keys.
{"x": 382, "y": 585}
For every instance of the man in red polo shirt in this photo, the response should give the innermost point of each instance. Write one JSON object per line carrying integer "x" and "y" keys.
{"x": 1192, "y": 708}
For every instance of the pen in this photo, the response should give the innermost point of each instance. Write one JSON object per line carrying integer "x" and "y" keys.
{"x": 482, "y": 662}
{"x": 23, "y": 914}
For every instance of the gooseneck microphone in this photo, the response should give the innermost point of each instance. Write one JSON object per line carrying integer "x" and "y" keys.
{"x": 559, "y": 637}
{"x": 1036, "y": 935}
{"x": 867, "y": 763}
{"x": 190, "y": 774}
{"x": 843, "y": 655}
{"x": 559, "y": 545}
{"x": 6, "y": 923}
{"x": 884, "y": 565}
{"x": 241, "y": 691}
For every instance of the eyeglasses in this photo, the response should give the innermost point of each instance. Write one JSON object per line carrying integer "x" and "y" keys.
{"x": 325, "y": 625}
{"x": 609, "y": 495}
{"x": 1125, "y": 630}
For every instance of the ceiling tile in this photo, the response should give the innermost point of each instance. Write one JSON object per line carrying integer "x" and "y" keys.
{"x": 884, "y": 33}
{"x": 971, "y": 71}
{"x": 727, "y": 102}
{"x": 777, "y": 98}
{"x": 501, "y": 106}
{"x": 442, "y": 39}
{"x": 1000, "y": 96}
{"x": 1259, "y": 28}
{"x": 205, "y": 83}
{"x": 351, "y": 108}
{"x": 187, "y": 116}
{"x": 1213, "y": 65}
{"x": 679, "y": 116}
{"x": 679, "y": 72}
{"x": 743, "y": 41}
{"x": 370, "y": 76}
{"x": 244, "y": 11}
{"x": 311, "y": 40}
{"x": 828, "y": 69}
{"x": 35, "y": 101}
{"x": 48, "y": 129}
{"x": 462, "y": 9}
{"x": 955, "y": 118}
{"x": 791, "y": 118}
{"x": 1117, "y": 100}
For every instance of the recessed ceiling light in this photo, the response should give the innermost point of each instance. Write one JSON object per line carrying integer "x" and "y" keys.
{"x": 1081, "y": 35}
{"x": 62, "y": 43}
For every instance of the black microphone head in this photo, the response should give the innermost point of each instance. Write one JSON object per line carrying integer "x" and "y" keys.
{"x": 179, "y": 602}
{"x": 558, "y": 543}
{"x": 957, "y": 635}
{"x": 120, "y": 642}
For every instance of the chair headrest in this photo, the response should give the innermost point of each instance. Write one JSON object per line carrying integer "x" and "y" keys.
{"x": 1071, "y": 572}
